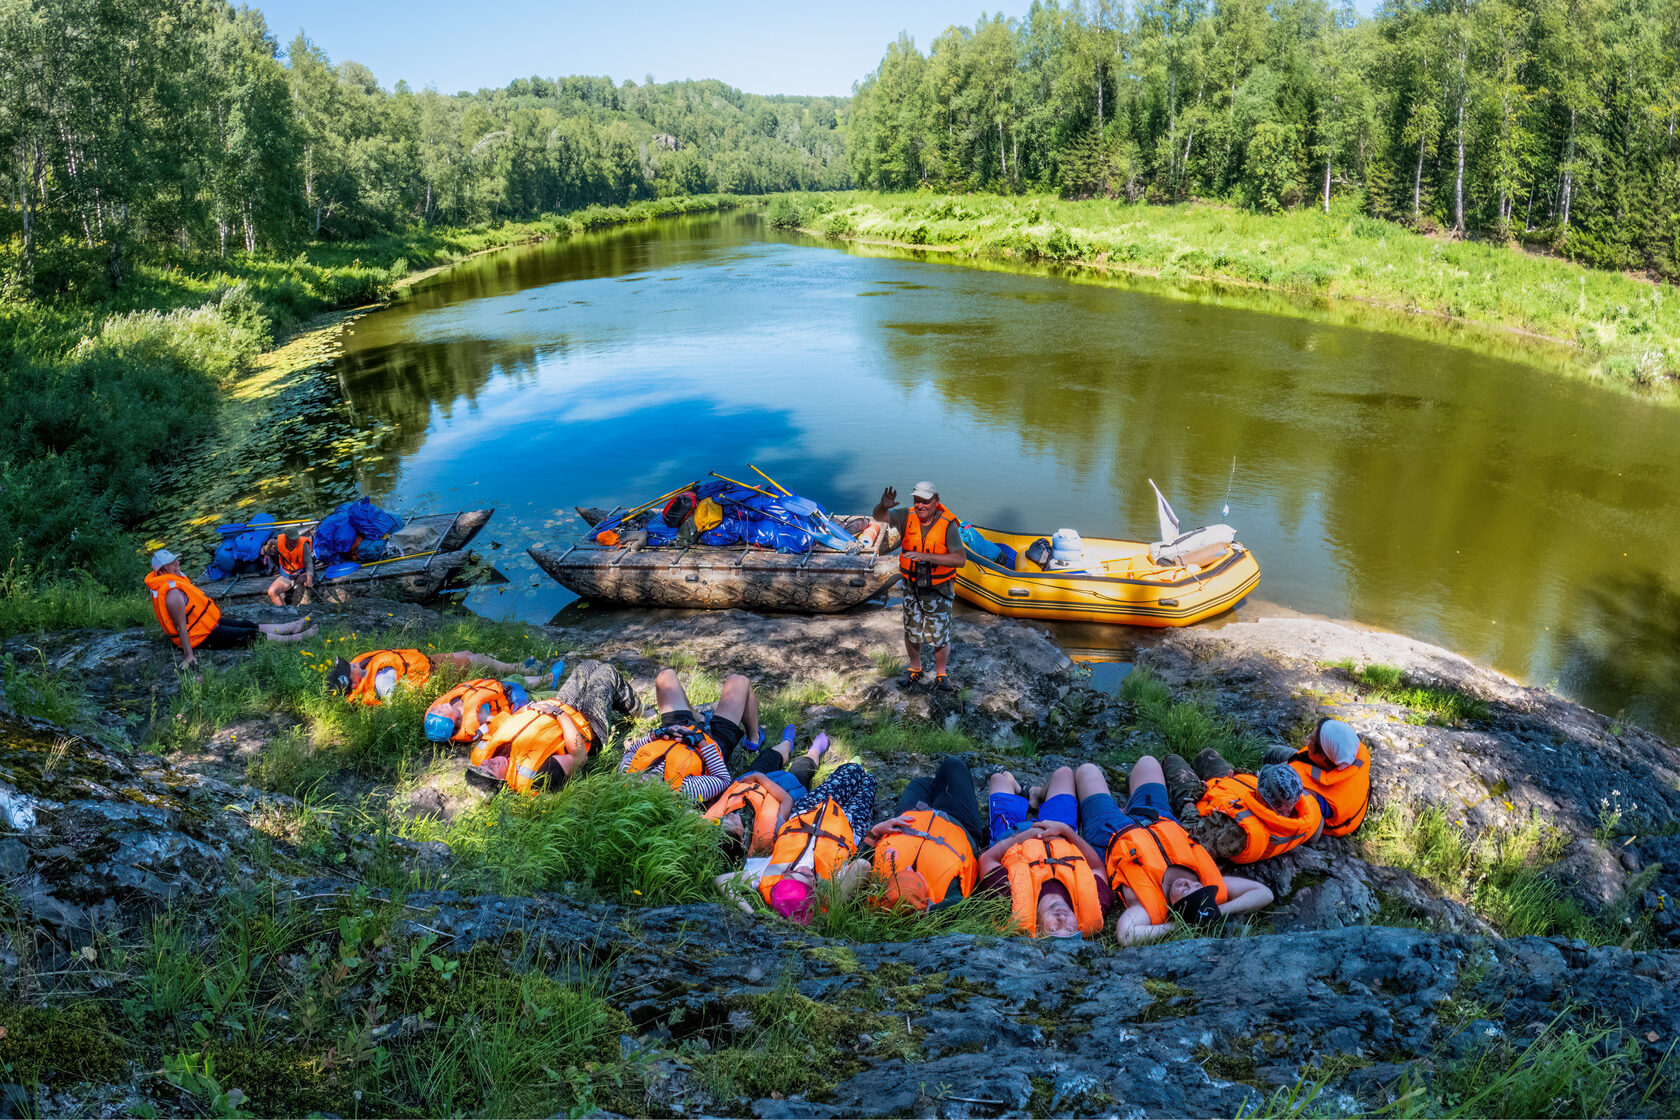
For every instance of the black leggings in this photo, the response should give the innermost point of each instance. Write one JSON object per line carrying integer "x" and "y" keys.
{"x": 231, "y": 633}
{"x": 951, "y": 791}
{"x": 769, "y": 760}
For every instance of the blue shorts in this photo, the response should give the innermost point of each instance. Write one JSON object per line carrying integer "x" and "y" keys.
{"x": 1009, "y": 812}
{"x": 1100, "y": 818}
{"x": 788, "y": 782}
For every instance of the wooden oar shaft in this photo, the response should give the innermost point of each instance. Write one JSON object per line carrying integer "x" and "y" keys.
{"x": 743, "y": 485}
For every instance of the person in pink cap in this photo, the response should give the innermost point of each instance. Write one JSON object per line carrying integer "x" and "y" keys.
{"x": 819, "y": 839}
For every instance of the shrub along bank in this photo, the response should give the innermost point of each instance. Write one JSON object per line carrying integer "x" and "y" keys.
{"x": 99, "y": 397}
{"x": 1605, "y": 324}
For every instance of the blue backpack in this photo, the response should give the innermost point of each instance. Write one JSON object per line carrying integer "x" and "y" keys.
{"x": 241, "y": 553}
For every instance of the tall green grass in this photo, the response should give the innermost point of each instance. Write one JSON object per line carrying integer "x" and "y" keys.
{"x": 1343, "y": 265}
{"x": 269, "y": 1009}
{"x": 1428, "y": 703}
{"x": 601, "y": 836}
{"x": 1185, "y": 727}
{"x": 1499, "y": 875}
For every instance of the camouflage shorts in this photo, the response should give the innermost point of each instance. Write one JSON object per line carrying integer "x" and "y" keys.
{"x": 927, "y": 621}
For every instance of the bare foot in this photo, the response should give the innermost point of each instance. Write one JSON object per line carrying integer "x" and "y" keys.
{"x": 1035, "y": 797}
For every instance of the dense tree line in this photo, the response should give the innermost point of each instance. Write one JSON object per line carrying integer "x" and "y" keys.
{"x": 130, "y": 124}
{"x": 1550, "y": 120}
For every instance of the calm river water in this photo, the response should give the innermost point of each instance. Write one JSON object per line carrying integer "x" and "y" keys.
{"x": 1520, "y": 519}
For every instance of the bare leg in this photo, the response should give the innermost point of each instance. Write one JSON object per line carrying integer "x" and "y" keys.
{"x": 1089, "y": 780}
{"x": 274, "y": 630}
{"x": 277, "y": 591}
{"x": 466, "y": 659}
{"x": 738, "y": 702}
{"x": 668, "y": 693}
{"x": 1061, "y": 782}
{"x": 940, "y": 656}
{"x": 290, "y": 636}
{"x": 914, "y": 651}
{"x": 1145, "y": 771}
{"x": 1002, "y": 782}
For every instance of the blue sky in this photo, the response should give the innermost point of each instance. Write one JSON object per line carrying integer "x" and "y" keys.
{"x": 756, "y": 45}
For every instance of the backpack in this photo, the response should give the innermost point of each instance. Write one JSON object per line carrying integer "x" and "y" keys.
{"x": 680, "y": 508}
{"x": 241, "y": 553}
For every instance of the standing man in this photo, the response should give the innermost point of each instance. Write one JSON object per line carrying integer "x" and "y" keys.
{"x": 931, "y": 554}
{"x": 192, "y": 620}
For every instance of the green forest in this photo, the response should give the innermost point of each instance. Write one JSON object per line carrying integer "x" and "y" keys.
{"x": 160, "y": 126}
{"x": 1548, "y": 121}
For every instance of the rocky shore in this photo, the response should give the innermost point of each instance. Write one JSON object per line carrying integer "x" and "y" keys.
{"x": 1410, "y": 958}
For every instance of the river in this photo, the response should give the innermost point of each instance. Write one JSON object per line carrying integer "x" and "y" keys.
{"x": 1521, "y": 519}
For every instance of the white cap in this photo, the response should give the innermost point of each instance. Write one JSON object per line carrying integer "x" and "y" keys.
{"x": 925, "y": 490}
{"x": 163, "y": 557}
{"x": 1338, "y": 742}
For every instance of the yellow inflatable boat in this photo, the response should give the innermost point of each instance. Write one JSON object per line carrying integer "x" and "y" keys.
{"x": 1116, "y": 581}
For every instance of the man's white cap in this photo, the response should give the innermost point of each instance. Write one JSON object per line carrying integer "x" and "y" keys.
{"x": 161, "y": 557}
{"x": 1338, "y": 742}
{"x": 925, "y": 490}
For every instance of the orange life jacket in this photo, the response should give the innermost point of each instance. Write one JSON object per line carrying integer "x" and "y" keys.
{"x": 529, "y": 738}
{"x": 475, "y": 697}
{"x": 1346, "y": 789}
{"x": 743, "y": 794}
{"x": 1139, "y": 856}
{"x": 676, "y": 750}
{"x": 933, "y": 541}
{"x": 293, "y": 555}
{"x": 1269, "y": 832}
{"x": 202, "y": 611}
{"x": 411, "y": 666}
{"x": 826, "y": 829}
{"x": 932, "y": 847}
{"x": 1033, "y": 863}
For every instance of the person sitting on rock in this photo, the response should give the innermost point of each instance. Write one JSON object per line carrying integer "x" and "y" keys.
{"x": 818, "y": 840}
{"x": 193, "y": 621}
{"x": 1243, "y": 818}
{"x": 546, "y": 742}
{"x": 294, "y": 559}
{"x": 688, "y": 755}
{"x": 1159, "y": 870}
{"x": 758, "y": 801}
{"x": 1335, "y": 768}
{"x": 924, "y": 854}
{"x": 1054, "y": 879}
{"x": 372, "y": 677}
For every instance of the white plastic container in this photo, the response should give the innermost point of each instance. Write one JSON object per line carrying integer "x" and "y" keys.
{"x": 1066, "y": 545}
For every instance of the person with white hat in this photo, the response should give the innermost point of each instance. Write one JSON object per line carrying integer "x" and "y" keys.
{"x": 931, "y": 554}
{"x": 193, "y": 621}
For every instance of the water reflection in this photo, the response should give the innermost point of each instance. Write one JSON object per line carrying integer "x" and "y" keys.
{"x": 1442, "y": 493}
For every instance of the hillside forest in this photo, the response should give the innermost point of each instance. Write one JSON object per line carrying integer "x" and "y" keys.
{"x": 1549, "y": 121}
{"x": 160, "y": 124}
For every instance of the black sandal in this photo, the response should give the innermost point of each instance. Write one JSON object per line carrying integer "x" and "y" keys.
{"x": 942, "y": 683}
{"x": 912, "y": 678}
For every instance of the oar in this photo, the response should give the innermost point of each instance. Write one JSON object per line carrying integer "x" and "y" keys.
{"x": 743, "y": 485}
{"x": 623, "y": 517}
{"x": 775, "y": 497}
{"x": 344, "y": 568}
{"x": 833, "y": 525}
{"x": 229, "y": 530}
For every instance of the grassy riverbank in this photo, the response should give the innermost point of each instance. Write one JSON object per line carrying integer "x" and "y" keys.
{"x": 1606, "y": 325}
{"x": 102, "y": 396}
